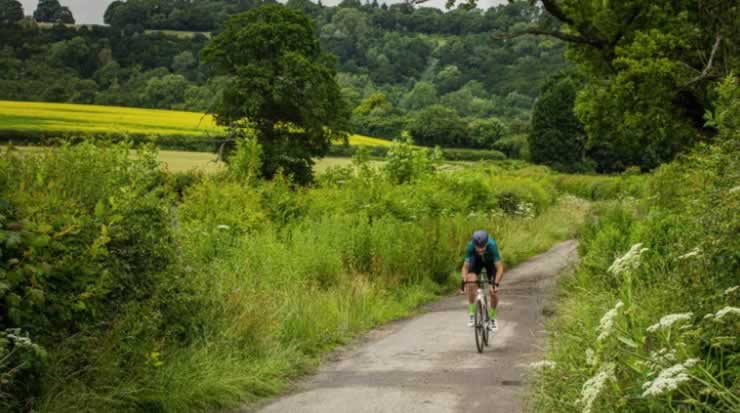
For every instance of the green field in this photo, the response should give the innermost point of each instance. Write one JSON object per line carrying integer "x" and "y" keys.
{"x": 34, "y": 117}
{"x": 183, "y": 161}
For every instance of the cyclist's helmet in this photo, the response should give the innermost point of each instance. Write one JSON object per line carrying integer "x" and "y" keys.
{"x": 480, "y": 238}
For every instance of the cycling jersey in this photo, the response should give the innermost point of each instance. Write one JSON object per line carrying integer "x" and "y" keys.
{"x": 490, "y": 255}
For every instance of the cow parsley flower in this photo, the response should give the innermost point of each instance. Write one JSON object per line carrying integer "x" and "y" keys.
{"x": 629, "y": 261}
{"x": 669, "y": 320}
{"x": 542, "y": 364}
{"x": 731, "y": 290}
{"x": 591, "y": 357}
{"x": 594, "y": 386}
{"x": 669, "y": 379}
{"x": 727, "y": 310}
{"x": 607, "y": 322}
{"x": 693, "y": 253}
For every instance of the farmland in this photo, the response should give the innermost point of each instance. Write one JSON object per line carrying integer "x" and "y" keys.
{"x": 65, "y": 118}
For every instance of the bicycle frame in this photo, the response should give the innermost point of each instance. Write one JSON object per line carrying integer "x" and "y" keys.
{"x": 482, "y": 317}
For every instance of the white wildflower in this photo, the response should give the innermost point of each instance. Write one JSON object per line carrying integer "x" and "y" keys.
{"x": 607, "y": 322}
{"x": 669, "y": 379}
{"x": 590, "y": 357}
{"x": 593, "y": 387}
{"x": 727, "y": 310}
{"x": 708, "y": 316}
{"x": 693, "y": 253}
{"x": 222, "y": 226}
{"x": 735, "y": 189}
{"x": 669, "y": 320}
{"x": 542, "y": 364}
{"x": 731, "y": 290}
{"x": 629, "y": 261}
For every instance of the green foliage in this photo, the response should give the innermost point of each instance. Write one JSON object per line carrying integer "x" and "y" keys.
{"x": 653, "y": 307}
{"x": 557, "y": 138}
{"x": 649, "y": 77}
{"x": 280, "y": 80}
{"x": 404, "y": 163}
{"x": 87, "y": 246}
{"x": 11, "y": 11}
{"x": 438, "y": 125}
{"x": 514, "y": 146}
{"x": 484, "y": 133}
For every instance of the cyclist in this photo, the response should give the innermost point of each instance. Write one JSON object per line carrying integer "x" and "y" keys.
{"x": 482, "y": 252}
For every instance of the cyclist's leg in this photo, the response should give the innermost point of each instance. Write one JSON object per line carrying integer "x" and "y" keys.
{"x": 476, "y": 265}
{"x": 491, "y": 270}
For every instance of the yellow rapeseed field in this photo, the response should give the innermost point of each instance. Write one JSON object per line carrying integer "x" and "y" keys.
{"x": 70, "y": 118}
{"x": 64, "y": 117}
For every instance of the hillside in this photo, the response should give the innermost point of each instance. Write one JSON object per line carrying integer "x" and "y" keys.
{"x": 394, "y": 63}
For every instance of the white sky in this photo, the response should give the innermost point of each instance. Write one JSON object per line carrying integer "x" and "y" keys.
{"x": 91, "y": 11}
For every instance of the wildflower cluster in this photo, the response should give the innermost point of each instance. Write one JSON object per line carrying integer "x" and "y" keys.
{"x": 542, "y": 364}
{"x": 525, "y": 209}
{"x": 607, "y": 322}
{"x": 19, "y": 340}
{"x": 594, "y": 386}
{"x": 693, "y": 253}
{"x": 629, "y": 261}
{"x": 667, "y": 321}
{"x": 725, "y": 311}
{"x": 669, "y": 379}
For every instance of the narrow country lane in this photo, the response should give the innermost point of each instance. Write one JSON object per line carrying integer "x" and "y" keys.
{"x": 429, "y": 363}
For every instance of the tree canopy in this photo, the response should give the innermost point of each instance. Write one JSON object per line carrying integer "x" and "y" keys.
{"x": 282, "y": 84}
{"x": 11, "y": 11}
{"x": 651, "y": 67}
{"x": 50, "y": 11}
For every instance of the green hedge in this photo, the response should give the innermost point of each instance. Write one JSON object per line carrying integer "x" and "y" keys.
{"x": 211, "y": 144}
{"x": 171, "y": 142}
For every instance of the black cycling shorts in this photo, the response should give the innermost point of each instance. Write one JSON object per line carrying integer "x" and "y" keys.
{"x": 477, "y": 264}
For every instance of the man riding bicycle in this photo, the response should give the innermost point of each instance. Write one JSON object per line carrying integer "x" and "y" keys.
{"x": 482, "y": 252}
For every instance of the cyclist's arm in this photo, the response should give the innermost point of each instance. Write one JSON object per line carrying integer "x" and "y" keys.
{"x": 498, "y": 263}
{"x": 469, "y": 251}
{"x": 499, "y": 271}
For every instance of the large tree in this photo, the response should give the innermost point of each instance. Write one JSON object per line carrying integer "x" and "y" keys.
{"x": 650, "y": 65}
{"x": 557, "y": 138}
{"x": 50, "y": 11}
{"x": 11, "y": 11}
{"x": 439, "y": 125}
{"x": 282, "y": 84}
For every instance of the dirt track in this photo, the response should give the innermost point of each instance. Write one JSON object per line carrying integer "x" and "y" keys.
{"x": 429, "y": 363}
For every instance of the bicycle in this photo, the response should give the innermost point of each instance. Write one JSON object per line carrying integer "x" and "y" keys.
{"x": 482, "y": 319}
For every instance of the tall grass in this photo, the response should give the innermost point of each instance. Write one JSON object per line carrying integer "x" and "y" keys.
{"x": 260, "y": 278}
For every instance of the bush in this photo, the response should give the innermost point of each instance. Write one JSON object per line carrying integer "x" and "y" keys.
{"x": 86, "y": 239}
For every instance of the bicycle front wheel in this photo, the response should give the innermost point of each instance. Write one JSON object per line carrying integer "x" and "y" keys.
{"x": 480, "y": 326}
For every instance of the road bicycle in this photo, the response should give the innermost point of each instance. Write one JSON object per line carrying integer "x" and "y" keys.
{"x": 482, "y": 319}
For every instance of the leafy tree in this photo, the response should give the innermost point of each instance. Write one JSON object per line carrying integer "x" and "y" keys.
{"x": 438, "y": 125}
{"x": 283, "y": 83}
{"x": 484, "y": 133}
{"x": 165, "y": 92}
{"x": 11, "y": 11}
{"x": 50, "y": 11}
{"x": 423, "y": 94}
{"x": 651, "y": 65}
{"x": 557, "y": 138}
{"x": 47, "y": 11}
{"x": 65, "y": 16}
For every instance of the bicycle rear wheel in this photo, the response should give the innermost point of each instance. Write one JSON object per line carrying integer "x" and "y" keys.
{"x": 480, "y": 327}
